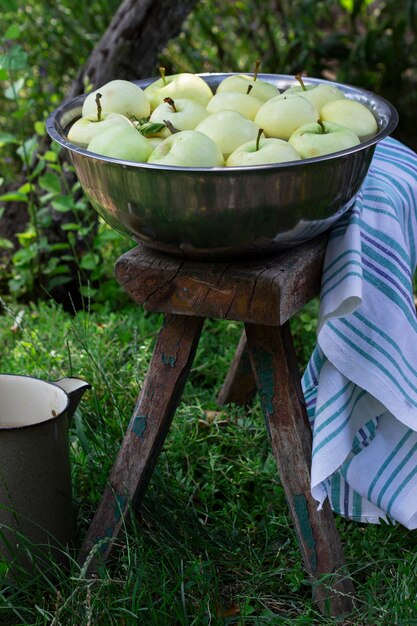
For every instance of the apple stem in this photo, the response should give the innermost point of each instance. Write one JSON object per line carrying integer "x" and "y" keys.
{"x": 249, "y": 89}
{"x": 258, "y": 139}
{"x": 255, "y": 73}
{"x": 320, "y": 123}
{"x": 300, "y": 80}
{"x": 162, "y": 72}
{"x": 99, "y": 109}
{"x": 171, "y": 127}
{"x": 171, "y": 104}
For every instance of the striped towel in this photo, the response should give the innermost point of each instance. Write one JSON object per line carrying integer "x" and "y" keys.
{"x": 360, "y": 385}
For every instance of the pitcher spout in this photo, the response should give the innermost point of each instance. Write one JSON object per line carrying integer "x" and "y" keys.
{"x": 74, "y": 388}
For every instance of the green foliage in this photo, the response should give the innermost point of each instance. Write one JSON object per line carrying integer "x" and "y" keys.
{"x": 304, "y": 328}
{"x": 47, "y": 260}
{"x": 82, "y": 250}
{"x": 363, "y": 42}
{"x": 48, "y": 38}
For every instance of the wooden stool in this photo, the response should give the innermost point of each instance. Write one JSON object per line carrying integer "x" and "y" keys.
{"x": 263, "y": 294}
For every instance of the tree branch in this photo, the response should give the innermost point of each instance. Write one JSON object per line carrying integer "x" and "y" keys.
{"x": 129, "y": 48}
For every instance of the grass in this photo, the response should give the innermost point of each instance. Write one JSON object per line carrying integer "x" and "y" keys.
{"x": 213, "y": 543}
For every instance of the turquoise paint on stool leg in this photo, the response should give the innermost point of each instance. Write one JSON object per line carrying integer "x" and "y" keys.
{"x": 119, "y": 507}
{"x": 168, "y": 360}
{"x": 300, "y": 505}
{"x": 139, "y": 424}
{"x": 103, "y": 540}
{"x": 265, "y": 374}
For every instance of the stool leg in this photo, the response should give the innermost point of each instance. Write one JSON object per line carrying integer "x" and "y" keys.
{"x": 239, "y": 386}
{"x": 276, "y": 372}
{"x": 163, "y": 385}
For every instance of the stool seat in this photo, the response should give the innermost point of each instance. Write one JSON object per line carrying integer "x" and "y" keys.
{"x": 263, "y": 294}
{"x": 260, "y": 291}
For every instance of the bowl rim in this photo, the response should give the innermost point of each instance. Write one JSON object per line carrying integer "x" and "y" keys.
{"x": 52, "y": 125}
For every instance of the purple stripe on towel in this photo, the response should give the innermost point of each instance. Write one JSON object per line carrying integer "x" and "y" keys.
{"x": 346, "y": 499}
{"x": 373, "y": 241}
{"x": 389, "y": 279}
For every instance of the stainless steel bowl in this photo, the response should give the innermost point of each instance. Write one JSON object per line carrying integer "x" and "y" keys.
{"x": 224, "y": 212}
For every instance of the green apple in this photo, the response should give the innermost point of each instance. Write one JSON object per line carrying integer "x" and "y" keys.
{"x": 240, "y": 83}
{"x": 354, "y": 115}
{"x": 119, "y": 96}
{"x": 182, "y": 113}
{"x": 85, "y": 128}
{"x": 155, "y": 141}
{"x": 317, "y": 94}
{"x": 262, "y": 151}
{"x": 121, "y": 142}
{"x": 243, "y": 103}
{"x": 178, "y": 86}
{"x": 281, "y": 116}
{"x": 187, "y": 148}
{"x": 319, "y": 138}
{"x": 228, "y": 129}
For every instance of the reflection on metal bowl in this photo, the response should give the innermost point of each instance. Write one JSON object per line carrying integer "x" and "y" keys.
{"x": 224, "y": 212}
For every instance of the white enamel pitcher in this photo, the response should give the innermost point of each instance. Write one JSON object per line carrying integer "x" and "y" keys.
{"x": 35, "y": 474}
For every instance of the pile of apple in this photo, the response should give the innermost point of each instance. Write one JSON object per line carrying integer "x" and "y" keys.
{"x": 178, "y": 120}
